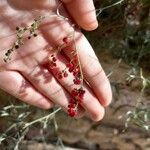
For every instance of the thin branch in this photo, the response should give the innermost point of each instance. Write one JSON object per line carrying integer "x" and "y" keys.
{"x": 41, "y": 119}
{"x": 104, "y": 8}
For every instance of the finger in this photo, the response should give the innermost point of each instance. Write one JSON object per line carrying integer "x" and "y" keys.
{"x": 90, "y": 102}
{"x": 15, "y": 84}
{"x": 83, "y": 12}
{"x": 92, "y": 70}
{"x": 32, "y": 5}
{"x": 96, "y": 110}
{"x": 45, "y": 82}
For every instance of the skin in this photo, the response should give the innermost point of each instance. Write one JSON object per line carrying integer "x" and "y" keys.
{"x": 25, "y": 78}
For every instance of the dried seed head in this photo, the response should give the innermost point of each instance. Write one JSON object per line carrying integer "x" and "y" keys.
{"x": 34, "y": 34}
{"x": 17, "y": 28}
{"x": 29, "y": 37}
{"x": 6, "y": 54}
{"x": 5, "y": 60}
{"x": 16, "y": 46}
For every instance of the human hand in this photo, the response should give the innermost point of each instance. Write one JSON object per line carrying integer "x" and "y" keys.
{"x": 26, "y": 78}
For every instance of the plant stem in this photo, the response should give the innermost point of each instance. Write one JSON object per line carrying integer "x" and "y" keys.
{"x": 79, "y": 63}
{"x": 102, "y": 9}
{"x": 41, "y": 119}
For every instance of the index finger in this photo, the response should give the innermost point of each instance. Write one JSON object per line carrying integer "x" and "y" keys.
{"x": 83, "y": 12}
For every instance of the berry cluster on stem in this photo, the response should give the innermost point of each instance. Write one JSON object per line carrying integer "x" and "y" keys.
{"x": 20, "y": 37}
{"x": 74, "y": 68}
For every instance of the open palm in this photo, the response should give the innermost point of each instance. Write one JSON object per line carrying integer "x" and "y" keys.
{"x": 27, "y": 78}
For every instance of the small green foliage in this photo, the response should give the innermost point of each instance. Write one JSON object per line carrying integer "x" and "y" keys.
{"x": 124, "y": 31}
{"x": 19, "y": 123}
{"x": 31, "y": 30}
{"x": 139, "y": 117}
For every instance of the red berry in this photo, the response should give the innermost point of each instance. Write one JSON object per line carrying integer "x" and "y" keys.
{"x": 81, "y": 96}
{"x": 71, "y": 69}
{"x": 77, "y": 81}
{"x": 66, "y": 40}
{"x": 71, "y": 112}
{"x": 60, "y": 76}
{"x": 81, "y": 93}
{"x": 71, "y": 105}
{"x": 74, "y": 92}
{"x": 65, "y": 74}
{"x": 75, "y": 73}
{"x": 54, "y": 59}
{"x": 70, "y": 65}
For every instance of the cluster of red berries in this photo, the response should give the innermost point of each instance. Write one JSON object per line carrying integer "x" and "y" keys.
{"x": 71, "y": 67}
{"x": 53, "y": 61}
{"x": 78, "y": 95}
{"x": 62, "y": 74}
{"x": 72, "y": 108}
